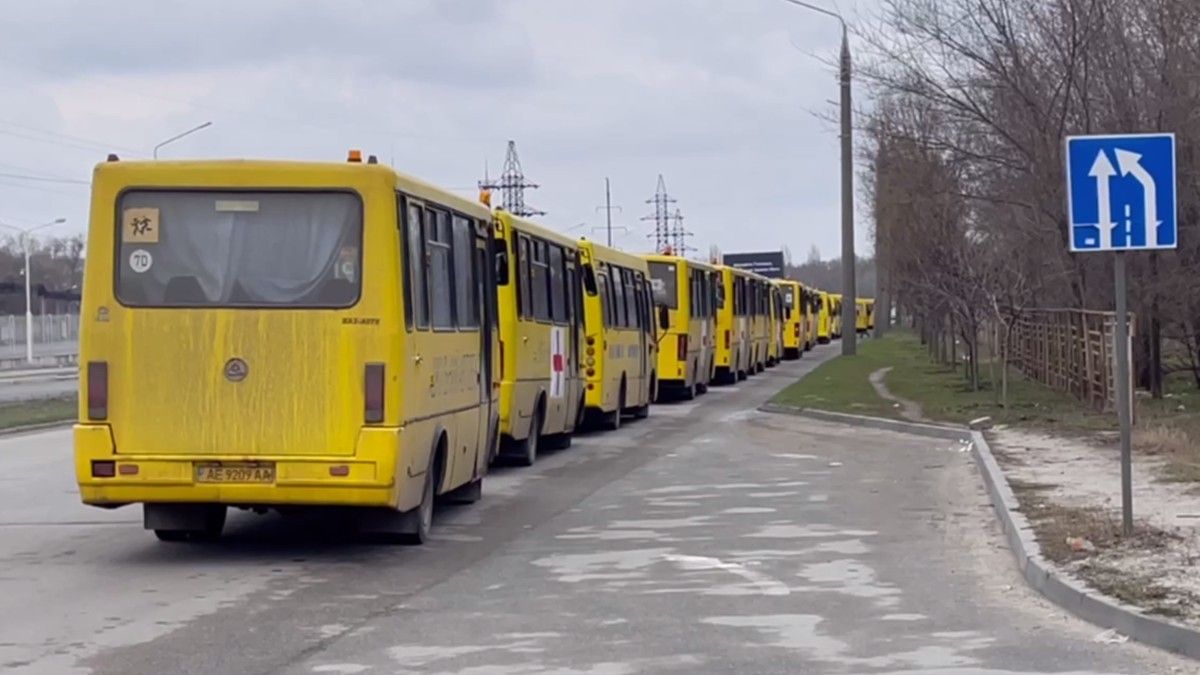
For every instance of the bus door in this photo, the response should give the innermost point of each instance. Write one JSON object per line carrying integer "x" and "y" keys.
{"x": 485, "y": 311}
{"x": 645, "y": 337}
{"x": 576, "y": 330}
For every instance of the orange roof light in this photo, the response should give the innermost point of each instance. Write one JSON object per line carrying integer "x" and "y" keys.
{"x": 354, "y": 156}
{"x": 485, "y": 197}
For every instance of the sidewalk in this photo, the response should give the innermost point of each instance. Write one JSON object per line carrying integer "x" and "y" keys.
{"x": 1070, "y": 490}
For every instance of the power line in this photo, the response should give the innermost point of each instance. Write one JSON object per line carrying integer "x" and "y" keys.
{"x": 662, "y": 217}
{"x": 512, "y": 185}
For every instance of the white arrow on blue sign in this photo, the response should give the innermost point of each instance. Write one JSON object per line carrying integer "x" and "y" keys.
{"x": 1121, "y": 192}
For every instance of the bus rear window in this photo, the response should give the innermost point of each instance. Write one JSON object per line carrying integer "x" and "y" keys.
{"x": 231, "y": 249}
{"x": 665, "y": 280}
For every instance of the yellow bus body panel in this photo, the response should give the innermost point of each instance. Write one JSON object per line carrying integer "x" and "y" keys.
{"x": 301, "y": 404}
{"x": 696, "y": 366}
{"x": 526, "y": 343}
{"x": 620, "y": 354}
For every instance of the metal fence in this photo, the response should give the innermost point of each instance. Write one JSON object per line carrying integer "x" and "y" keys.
{"x": 1069, "y": 350}
{"x": 53, "y": 334}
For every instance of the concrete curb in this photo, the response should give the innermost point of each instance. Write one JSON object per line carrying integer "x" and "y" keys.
{"x": 1063, "y": 591}
{"x": 932, "y": 430}
{"x": 40, "y": 426}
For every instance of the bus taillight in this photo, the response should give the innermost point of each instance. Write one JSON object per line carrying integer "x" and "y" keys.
{"x": 97, "y": 390}
{"x": 727, "y": 339}
{"x": 682, "y": 355}
{"x": 373, "y": 383}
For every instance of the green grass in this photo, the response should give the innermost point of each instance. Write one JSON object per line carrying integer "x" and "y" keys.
{"x": 841, "y": 384}
{"x": 40, "y": 411}
{"x": 943, "y": 393}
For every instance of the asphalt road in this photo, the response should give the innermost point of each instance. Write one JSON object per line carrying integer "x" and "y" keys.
{"x": 708, "y": 539}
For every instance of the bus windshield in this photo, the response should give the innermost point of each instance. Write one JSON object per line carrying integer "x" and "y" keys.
{"x": 228, "y": 249}
{"x": 665, "y": 278}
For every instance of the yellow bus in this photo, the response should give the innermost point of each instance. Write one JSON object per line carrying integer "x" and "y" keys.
{"x": 541, "y": 328}
{"x": 684, "y": 293}
{"x": 871, "y": 314}
{"x": 284, "y": 334}
{"x": 734, "y": 345}
{"x": 796, "y": 332}
{"x": 824, "y": 317}
{"x": 862, "y": 316}
{"x": 758, "y": 303}
{"x": 775, "y": 320}
{"x": 835, "y": 315}
{"x": 620, "y": 360}
{"x": 812, "y": 312}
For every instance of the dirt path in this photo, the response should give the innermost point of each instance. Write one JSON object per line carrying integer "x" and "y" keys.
{"x": 909, "y": 410}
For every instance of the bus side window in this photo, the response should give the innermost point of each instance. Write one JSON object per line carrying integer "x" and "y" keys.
{"x": 465, "y": 302}
{"x": 524, "y": 306}
{"x": 540, "y": 281}
{"x": 630, "y": 305}
{"x": 558, "y": 294}
{"x": 418, "y": 302}
{"x": 633, "y": 286}
{"x": 440, "y": 277}
{"x": 601, "y": 277}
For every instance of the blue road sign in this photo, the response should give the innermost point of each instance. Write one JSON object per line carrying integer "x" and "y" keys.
{"x": 1121, "y": 192}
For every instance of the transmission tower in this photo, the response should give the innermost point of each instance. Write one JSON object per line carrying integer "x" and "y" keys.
{"x": 679, "y": 236}
{"x": 662, "y": 217}
{"x": 512, "y": 185}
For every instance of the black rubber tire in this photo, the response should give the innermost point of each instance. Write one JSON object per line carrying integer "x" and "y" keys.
{"x": 420, "y": 519}
{"x": 612, "y": 420}
{"x": 214, "y": 524}
{"x": 557, "y": 441}
{"x": 525, "y": 452}
{"x": 466, "y": 494}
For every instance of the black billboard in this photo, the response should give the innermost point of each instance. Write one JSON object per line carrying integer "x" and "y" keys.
{"x": 768, "y": 264}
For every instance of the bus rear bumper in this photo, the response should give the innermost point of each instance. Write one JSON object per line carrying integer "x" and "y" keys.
{"x": 368, "y": 480}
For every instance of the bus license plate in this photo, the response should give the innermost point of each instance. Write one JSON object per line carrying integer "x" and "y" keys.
{"x": 235, "y": 473}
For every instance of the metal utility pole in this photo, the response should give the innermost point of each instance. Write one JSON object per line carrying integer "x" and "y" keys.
{"x": 849, "y": 291}
{"x": 608, "y": 209}
{"x": 512, "y": 185}
{"x": 662, "y": 217}
{"x": 176, "y": 137}
{"x": 1124, "y": 406}
{"x": 25, "y": 242}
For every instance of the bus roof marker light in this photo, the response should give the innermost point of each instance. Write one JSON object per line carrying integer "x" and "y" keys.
{"x": 354, "y": 156}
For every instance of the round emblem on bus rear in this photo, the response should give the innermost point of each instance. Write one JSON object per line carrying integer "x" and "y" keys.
{"x": 236, "y": 370}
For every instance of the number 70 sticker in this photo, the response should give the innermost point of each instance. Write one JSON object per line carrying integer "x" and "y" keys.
{"x": 140, "y": 261}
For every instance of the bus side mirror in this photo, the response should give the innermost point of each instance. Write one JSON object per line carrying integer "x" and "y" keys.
{"x": 664, "y": 318}
{"x": 501, "y": 268}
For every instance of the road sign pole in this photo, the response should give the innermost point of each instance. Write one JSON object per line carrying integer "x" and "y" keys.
{"x": 1124, "y": 407}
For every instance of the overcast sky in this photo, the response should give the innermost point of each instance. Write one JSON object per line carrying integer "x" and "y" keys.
{"x": 718, "y": 96}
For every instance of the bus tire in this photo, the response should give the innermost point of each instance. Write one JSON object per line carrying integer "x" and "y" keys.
{"x": 192, "y": 522}
{"x": 557, "y": 441}
{"x": 641, "y": 412}
{"x": 466, "y": 494}
{"x": 418, "y": 523}
{"x": 612, "y": 420}
{"x": 525, "y": 451}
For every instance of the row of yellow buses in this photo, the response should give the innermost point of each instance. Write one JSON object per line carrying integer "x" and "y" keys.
{"x": 282, "y": 335}
{"x": 286, "y": 334}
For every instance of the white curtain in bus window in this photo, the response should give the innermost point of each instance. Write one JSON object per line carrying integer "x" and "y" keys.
{"x": 257, "y": 249}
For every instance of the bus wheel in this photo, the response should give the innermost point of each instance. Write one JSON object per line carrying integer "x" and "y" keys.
{"x": 186, "y": 522}
{"x": 526, "y": 451}
{"x": 466, "y": 494}
{"x": 418, "y": 523}
{"x": 558, "y": 441}
{"x": 612, "y": 421}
